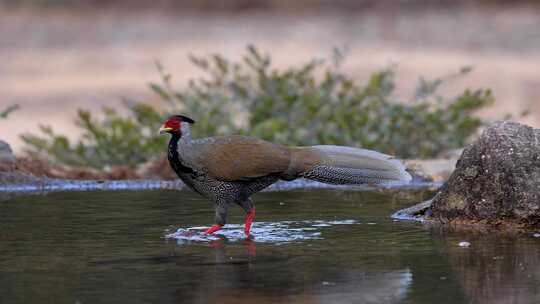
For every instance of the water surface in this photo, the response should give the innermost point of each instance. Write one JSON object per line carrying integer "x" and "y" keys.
{"x": 311, "y": 246}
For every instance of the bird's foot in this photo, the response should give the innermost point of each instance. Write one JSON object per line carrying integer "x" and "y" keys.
{"x": 249, "y": 220}
{"x": 213, "y": 229}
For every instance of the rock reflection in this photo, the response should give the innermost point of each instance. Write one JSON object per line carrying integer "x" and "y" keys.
{"x": 496, "y": 268}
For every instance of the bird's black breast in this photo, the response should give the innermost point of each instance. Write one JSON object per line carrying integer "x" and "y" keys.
{"x": 176, "y": 164}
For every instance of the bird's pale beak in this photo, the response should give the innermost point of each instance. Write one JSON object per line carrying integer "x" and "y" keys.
{"x": 164, "y": 129}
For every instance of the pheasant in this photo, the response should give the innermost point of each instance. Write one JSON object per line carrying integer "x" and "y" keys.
{"x": 229, "y": 169}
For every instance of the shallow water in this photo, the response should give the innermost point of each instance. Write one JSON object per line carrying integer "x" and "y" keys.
{"x": 310, "y": 246}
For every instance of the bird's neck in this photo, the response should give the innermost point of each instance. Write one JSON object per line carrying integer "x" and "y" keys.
{"x": 185, "y": 136}
{"x": 173, "y": 148}
{"x": 174, "y": 157}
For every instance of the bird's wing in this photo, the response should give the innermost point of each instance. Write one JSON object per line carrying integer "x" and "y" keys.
{"x": 239, "y": 158}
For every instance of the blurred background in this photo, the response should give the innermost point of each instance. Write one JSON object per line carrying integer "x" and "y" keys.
{"x": 58, "y": 55}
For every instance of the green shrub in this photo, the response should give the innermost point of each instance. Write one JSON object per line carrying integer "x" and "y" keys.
{"x": 318, "y": 103}
{"x": 315, "y": 103}
{"x": 114, "y": 140}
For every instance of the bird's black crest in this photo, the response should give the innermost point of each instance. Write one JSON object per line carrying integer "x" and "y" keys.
{"x": 184, "y": 118}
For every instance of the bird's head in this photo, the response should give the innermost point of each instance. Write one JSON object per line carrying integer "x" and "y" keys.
{"x": 175, "y": 124}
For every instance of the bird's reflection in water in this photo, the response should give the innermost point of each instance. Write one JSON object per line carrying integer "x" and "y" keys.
{"x": 234, "y": 272}
{"x": 219, "y": 244}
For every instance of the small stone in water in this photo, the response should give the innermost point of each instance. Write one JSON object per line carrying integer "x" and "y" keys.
{"x": 536, "y": 235}
{"x": 464, "y": 244}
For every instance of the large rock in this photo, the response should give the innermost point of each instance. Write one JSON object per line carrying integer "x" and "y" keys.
{"x": 496, "y": 179}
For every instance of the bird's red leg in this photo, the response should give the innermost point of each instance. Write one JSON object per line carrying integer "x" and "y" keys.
{"x": 221, "y": 218}
{"x": 213, "y": 229}
{"x": 249, "y": 219}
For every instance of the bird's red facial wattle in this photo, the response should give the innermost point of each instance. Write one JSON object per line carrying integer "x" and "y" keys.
{"x": 172, "y": 125}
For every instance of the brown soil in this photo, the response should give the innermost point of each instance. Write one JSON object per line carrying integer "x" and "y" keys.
{"x": 39, "y": 168}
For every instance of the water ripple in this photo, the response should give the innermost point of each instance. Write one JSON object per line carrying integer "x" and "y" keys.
{"x": 261, "y": 232}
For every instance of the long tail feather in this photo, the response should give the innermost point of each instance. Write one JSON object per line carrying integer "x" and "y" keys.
{"x": 346, "y": 165}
